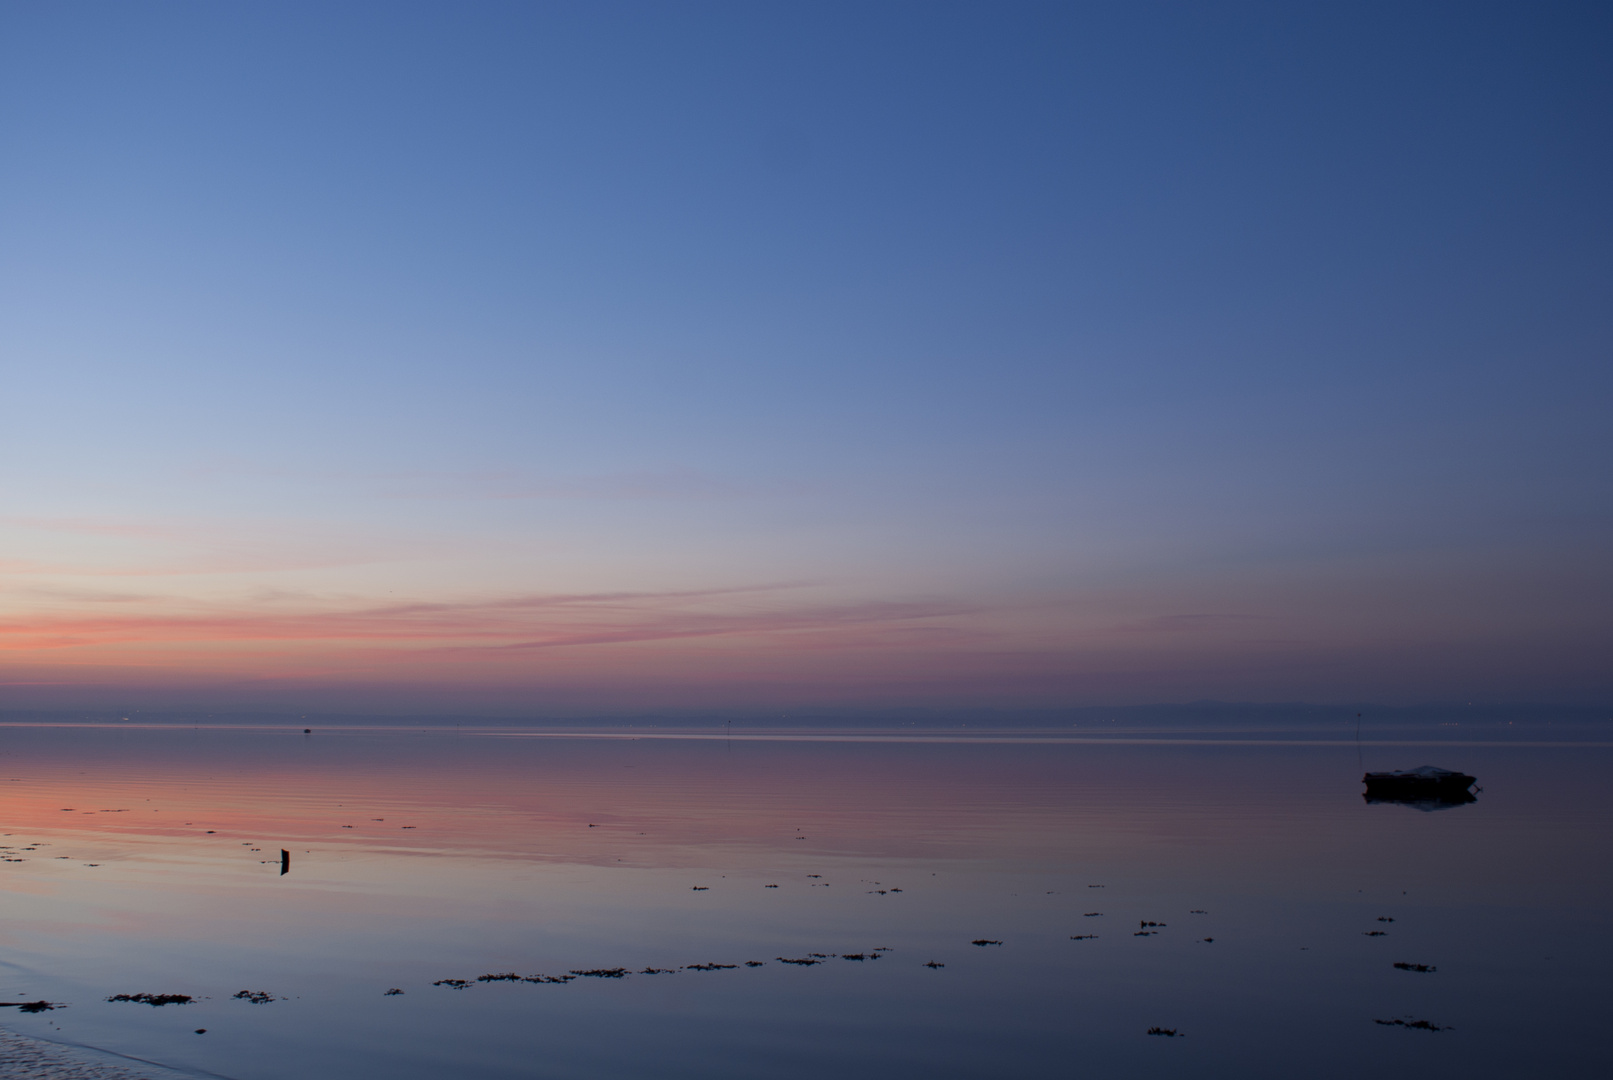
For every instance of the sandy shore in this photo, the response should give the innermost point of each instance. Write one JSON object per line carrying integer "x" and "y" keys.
{"x": 25, "y": 1058}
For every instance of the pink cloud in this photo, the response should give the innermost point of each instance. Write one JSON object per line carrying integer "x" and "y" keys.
{"x": 526, "y": 622}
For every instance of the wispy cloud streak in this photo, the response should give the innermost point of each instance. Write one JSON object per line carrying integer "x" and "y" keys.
{"x": 112, "y": 547}
{"x": 506, "y": 623}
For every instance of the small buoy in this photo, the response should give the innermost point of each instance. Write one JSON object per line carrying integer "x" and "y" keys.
{"x": 307, "y": 731}
{"x": 201, "y": 1031}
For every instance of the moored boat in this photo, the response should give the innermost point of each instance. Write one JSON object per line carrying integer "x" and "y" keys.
{"x": 1426, "y": 787}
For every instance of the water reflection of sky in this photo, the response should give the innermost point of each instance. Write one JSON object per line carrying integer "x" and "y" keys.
{"x": 419, "y": 856}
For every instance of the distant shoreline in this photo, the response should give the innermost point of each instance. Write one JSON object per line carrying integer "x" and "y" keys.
{"x": 1539, "y": 735}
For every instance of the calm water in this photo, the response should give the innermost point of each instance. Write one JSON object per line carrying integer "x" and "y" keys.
{"x": 149, "y": 861}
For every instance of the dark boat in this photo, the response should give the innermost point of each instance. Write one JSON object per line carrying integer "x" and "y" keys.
{"x": 1425, "y": 788}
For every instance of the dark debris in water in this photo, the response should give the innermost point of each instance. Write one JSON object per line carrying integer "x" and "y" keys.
{"x": 154, "y": 999}
{"x": 1169, "y": 1033}
{"x": 1402, "y": 966}
{"x": 933, "y": 964}
{"x": 393, "y": 992}
{"x": 616, "y": 972}
{"x": 982, "y": 942}
{"x": 1082, "y": 937}
{"x": 32, "y": 1006}
{"x": 256, "y": 997}
{"x": 1417, "y": 1025}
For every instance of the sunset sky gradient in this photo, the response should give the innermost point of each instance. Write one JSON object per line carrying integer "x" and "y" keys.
{"x": 572, "y": 359}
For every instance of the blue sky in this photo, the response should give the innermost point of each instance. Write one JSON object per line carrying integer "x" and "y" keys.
{"x": 1022, "y": 354}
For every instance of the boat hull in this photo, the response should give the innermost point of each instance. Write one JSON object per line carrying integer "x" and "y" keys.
{"x": 1426, "y": 788}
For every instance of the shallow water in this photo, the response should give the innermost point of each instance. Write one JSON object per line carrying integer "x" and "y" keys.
{"x": 150, "y": 862}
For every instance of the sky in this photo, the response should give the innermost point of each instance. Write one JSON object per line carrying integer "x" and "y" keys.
{"x": 593, "y": 358}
